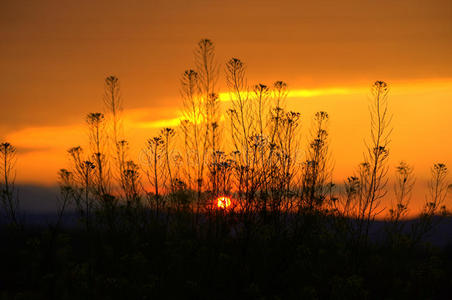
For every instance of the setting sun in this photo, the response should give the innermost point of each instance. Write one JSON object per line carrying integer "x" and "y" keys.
{"x": 223, "y": 202}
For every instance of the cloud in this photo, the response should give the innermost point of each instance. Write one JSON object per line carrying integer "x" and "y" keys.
{"x": 26, "y": 150}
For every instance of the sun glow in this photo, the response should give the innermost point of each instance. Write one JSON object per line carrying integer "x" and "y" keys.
{"x": 223, "y": 202}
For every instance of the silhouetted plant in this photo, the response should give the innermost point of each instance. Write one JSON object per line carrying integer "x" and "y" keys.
{"x": 153, "y": 153}
{"x": 201, "y": 112}
{"x": 240, "y": 114}
{"x": 208, "y": 70}
{"x": 66, "y": 185}
{"x": 132, "y": 182}
{"x": 403, "y": 188}
{"x": 277, "y": 154}
{"x": 285, "y": 168}
{"x": 97, "y": 140}
{"x": 438, "y": 185}
{"x": 85, "y": 188}
{"x": 113, "y": 105}
{"x": 191, "y": 127}
{"x": 167, "y": 135}
{"x": 194, "y": 129}
{"x": 434, "y": 205}
{"x": 373, "y": 171}
{"x": 316, "y": 169}
{"x": 347, "y": 206}
{"x": 9, "y": 198}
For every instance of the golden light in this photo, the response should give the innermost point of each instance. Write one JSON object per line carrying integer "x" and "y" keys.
{"x": 223, "y": 202}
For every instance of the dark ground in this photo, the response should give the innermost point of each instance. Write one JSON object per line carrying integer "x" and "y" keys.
{"x": 315, "y": 257}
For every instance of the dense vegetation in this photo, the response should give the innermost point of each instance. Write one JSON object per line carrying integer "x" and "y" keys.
{"x": 154, "y": 227}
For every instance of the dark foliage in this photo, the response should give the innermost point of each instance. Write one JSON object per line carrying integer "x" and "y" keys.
{"x": 149, "y": 258}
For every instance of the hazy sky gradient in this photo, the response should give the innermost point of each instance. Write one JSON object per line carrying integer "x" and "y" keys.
{"x": 54, "y": 56}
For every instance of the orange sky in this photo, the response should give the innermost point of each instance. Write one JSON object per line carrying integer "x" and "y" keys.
{"x": 54, "y": 56}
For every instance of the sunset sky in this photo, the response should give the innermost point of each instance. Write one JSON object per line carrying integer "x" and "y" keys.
{"x": 55, "y": 55}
